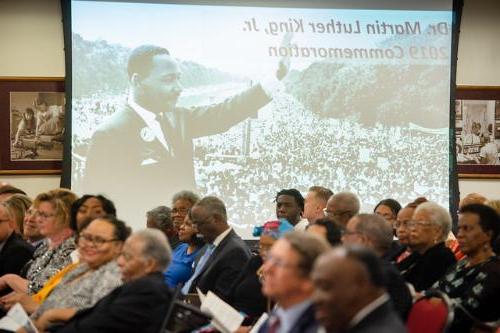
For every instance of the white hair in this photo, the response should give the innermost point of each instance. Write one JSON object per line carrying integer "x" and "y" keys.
{"x": 438, "y": 216}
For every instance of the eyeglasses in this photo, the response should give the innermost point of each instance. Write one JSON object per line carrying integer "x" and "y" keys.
{"x": 182, "y": 211}
{"x": 44, "y": 216}
{"x": 329, "y": 213}
{"x": 95, "y": 241}
{"x": 277, "y": 262}
{"x": 401, "y": 224}
{"x": 346, "y": 232}
{"x": 419, "y": 224}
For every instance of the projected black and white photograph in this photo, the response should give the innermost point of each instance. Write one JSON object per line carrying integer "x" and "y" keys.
{"x": 241, "y": 102}
{"x": 36, "y": 126}
{"x": 32, "y": 112}
{"x": 477, "y": 129}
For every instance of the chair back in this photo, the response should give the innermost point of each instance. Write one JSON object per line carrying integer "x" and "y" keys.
{"x": 432, "y": 313}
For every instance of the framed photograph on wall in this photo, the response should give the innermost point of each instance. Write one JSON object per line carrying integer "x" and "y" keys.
{"x": 477, "y": 126}
{"x": 32, "y": 112}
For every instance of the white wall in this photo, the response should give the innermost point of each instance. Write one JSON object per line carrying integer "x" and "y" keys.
{"x": 479, "y": 64}
{"x": 32, "y": 45}
{"x": 31, "y": 40}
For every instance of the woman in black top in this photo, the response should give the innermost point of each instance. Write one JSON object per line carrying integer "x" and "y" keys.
{"x": 430, "y": 258}
{"x": 474, "y": 283}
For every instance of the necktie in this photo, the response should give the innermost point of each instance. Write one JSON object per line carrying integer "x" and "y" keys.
{"x": 201, "y": 263}
{"x": 167, "y": 130}
{"x": 274, "y": 324}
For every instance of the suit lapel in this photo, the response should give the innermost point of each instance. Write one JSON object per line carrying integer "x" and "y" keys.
{"x": 218, "y": 250}
{"x": 150, "y": 149}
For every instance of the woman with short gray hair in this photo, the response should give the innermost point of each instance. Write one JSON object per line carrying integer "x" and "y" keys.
{"x": 430, "y": 258}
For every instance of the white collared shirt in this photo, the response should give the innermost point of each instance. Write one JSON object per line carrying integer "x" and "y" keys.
{"x": 221, "y": 237}
{"x": 150, "y": 119}
{"x": 368, "y": 309}
{"x": 301, "y": 225}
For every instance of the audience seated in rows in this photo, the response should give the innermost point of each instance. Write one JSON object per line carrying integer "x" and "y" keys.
{"x": 349, "y": 294}
{"x": 430, "y": 258}
{"x": 351, "y": 290}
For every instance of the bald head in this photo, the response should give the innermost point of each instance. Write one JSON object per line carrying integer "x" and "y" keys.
{"x": 345, "y": 281}
{"x": 369, "y": 230}
{"x": 342, "y": 206}
{"x": 472, "y": 198}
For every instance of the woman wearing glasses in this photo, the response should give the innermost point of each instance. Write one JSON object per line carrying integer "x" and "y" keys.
{"x": 53, "y": 216}
{"x": 96, "y": 275}
{"x": 430, "y": 258}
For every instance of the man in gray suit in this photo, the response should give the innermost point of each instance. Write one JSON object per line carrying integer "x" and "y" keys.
{"x": 349, "y": 294}
{"x": 148, "y": 144}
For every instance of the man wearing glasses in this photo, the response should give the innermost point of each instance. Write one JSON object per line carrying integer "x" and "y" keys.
{"x": 287, "y": 269}
{"x": 341, "y": 207}
{"x": 224, "y": 255}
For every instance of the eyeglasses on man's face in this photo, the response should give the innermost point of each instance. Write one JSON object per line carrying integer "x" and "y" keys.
{"x": 329, "y": 213}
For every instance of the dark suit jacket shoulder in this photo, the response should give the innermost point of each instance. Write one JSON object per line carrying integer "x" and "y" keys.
{"x": 137, "y": 306}
{"x": 306, "y": 323}
{"x": 223, "y": 266}
{"x": 15, "y": 254}
{"x": 382, "y": 320}
{"x": 397, "y": 289}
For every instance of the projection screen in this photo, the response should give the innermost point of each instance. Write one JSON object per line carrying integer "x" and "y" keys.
{"x": 364, "y": 105}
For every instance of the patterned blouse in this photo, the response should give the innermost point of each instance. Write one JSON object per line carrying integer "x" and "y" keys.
{"x": 47, "y": 262}
{"x": 476, "y": 288}
{"x": 82, "y": 288}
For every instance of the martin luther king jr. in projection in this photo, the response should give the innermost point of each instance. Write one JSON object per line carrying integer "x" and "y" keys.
{"x": 146, "y": 147}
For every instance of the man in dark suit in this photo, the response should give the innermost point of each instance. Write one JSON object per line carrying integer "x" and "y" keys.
{"x": 287, "y": 281}
{"x": 148, "y": 144}
{"x": 14, "y": 251}
{"x": 141, "y": 303}
{"x": 375, "y": 233}
{"x": 349, "y": 295}
{"x": 225, "y": 253}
